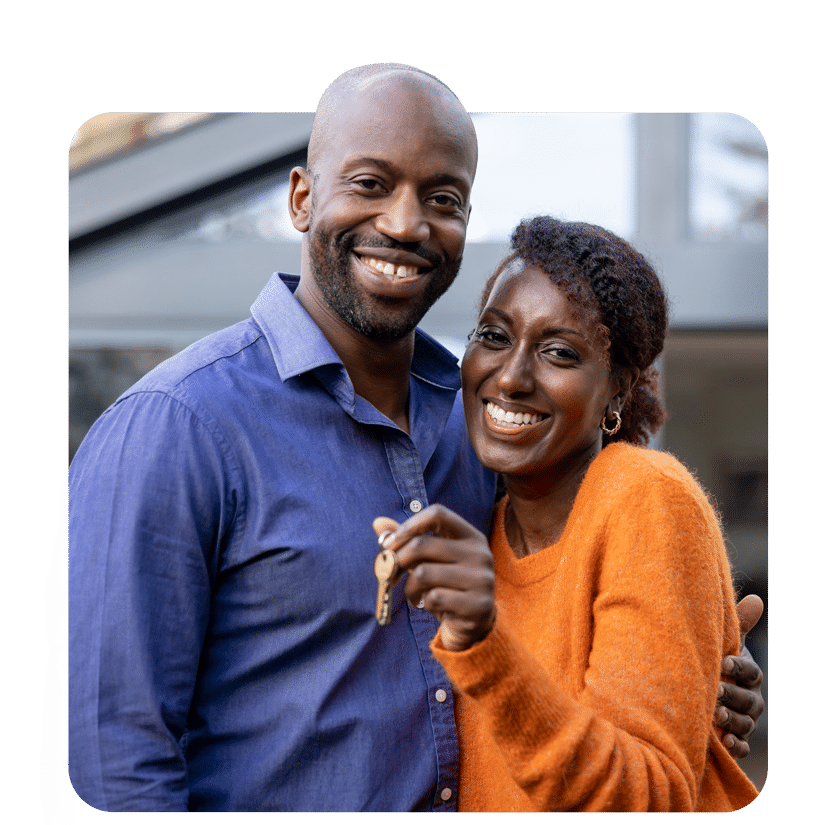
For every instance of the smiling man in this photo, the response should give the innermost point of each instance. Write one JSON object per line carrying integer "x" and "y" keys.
{"x": 224, "y": 653}
{"x": 224, "y": 650}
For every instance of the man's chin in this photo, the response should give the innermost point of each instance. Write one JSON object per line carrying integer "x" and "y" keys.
{"x": 383, "y": 330}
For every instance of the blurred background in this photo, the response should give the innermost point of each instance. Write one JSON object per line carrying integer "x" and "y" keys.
{"x": 177, "y": 220}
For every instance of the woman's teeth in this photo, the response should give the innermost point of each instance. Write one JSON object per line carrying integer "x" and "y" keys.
{"x": 390, "y": 270}
{"x": 502, "y": 416}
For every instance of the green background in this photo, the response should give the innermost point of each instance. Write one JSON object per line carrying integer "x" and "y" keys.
{"x": 63, "y": 69}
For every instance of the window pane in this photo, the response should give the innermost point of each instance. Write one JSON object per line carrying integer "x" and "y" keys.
{"x": 728, "y": 181}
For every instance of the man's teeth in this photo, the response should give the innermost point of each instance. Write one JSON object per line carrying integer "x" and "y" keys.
{"x": 502, "y": 416}
{"x": 390, "y": 270}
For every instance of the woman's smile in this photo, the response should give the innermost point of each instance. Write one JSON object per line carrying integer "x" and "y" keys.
{"x": 503, "y": 420}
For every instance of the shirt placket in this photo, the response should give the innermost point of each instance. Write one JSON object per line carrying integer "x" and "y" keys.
{"x": 406, "y": 470}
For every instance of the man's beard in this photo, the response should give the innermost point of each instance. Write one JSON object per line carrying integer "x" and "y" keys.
{"x": 332, "y": 272}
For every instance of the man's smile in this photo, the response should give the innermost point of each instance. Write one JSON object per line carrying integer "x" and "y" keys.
{"x": 394, "y": 272}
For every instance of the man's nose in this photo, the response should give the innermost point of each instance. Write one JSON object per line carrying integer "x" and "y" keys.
{"x": 403, "y": 217}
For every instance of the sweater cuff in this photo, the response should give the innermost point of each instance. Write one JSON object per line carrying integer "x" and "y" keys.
{"x": 483, "y": 665}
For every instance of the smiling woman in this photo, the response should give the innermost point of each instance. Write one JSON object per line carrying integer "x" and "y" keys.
{"x": 586, "y": 640}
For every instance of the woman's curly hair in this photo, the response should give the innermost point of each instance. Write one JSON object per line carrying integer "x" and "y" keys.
{"x": 617, "y": 290}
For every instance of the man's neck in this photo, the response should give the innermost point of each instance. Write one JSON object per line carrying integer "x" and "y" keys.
{"x": 378, "y": 370}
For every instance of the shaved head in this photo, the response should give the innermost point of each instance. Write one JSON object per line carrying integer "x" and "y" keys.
{"x": 356, "y": 81}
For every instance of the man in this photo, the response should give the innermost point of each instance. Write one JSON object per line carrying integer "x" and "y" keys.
{"x": 223, "y": 649}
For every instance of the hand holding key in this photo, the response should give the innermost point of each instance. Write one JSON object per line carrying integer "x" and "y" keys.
{"x": 450, "y": 568}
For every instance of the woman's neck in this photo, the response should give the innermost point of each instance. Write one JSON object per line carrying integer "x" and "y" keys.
{"x": 538, "y": 508}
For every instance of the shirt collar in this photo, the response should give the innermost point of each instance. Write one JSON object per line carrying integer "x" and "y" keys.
{"x": 299, "y": 346}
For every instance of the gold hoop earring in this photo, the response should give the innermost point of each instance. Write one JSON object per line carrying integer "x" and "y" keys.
{"x": 616, "y": 426}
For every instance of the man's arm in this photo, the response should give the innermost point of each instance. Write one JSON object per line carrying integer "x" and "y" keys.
{"x": 144, "y": 520}
{"x": 740, "y": 705}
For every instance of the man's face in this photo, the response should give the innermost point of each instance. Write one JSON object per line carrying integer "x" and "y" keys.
{"x": 389, "y": 207}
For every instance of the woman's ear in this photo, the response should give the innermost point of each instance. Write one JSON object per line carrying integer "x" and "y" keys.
{"x": 625, "y": 378}
{"x": 301, "y": 193}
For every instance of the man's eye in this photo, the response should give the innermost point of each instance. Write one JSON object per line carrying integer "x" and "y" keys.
{"x": 447, "y": 201}
{"x": 368, "y": 184}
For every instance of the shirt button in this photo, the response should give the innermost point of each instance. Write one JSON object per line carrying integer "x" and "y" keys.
{"x": 446, "y": 794}
{"x": 440, "y": 695}
{"x": 415, "y": 506}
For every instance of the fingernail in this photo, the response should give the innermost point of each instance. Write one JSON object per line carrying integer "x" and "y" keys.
{"x": 385, "y": 538}
{"x": 721, "y": 690}
{"x": 730, "y": 742}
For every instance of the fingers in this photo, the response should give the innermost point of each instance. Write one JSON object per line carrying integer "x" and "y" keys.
{"x": 738, "y": 725}
{"x": 749, "y": 610}
{"x": 743, "y": 669}
{"x": 736, "y": 712}
{"x": 383, "y": 524}
{"x": 450, "y": 569}
{"x": 737, "y": 747}
{"x": 436, "y": 519}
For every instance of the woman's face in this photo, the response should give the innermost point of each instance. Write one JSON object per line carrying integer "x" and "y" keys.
{"x": 535, "y": 380}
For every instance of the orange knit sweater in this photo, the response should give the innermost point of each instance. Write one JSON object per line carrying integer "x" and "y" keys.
{"x": 596, "y": 688}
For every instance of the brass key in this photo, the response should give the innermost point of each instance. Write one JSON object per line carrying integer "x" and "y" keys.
{"x": 386, "y": 570}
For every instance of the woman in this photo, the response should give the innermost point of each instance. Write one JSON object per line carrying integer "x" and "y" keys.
{"x": 596, "y": 534}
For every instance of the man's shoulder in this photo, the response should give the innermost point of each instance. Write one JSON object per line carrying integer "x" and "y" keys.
{"x": 202, "y": 368}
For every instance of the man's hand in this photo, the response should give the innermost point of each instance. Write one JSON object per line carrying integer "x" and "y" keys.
{"x": 450, "y": 571}
{"x": 740, "y": 705}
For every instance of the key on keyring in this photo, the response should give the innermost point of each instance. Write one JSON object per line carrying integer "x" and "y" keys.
{"x": 386, "y": 569}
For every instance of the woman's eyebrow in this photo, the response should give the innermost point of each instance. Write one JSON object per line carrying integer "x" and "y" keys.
{"x": 545, "y": 333}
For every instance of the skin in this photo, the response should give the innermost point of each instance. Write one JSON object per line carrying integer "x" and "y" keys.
{"x": 394, "y": 186}
{"x": 746, "y": 700}
{"x": 531, "y": 354}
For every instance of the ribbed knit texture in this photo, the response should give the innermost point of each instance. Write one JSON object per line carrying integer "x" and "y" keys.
{"x": 596, "y": 688}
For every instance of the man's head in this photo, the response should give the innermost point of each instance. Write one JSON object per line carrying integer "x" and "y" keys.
{"x": 384, "y": 201}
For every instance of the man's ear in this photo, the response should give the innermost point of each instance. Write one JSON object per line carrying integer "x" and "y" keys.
{"x": 301, "y": 193}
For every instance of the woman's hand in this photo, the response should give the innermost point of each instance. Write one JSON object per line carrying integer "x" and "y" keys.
{"x": 450, "y": 569}
{"x": 740, "y": 705}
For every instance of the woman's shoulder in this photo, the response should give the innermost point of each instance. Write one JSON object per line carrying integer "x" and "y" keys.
{"x": 628, "y": 469}
{"x": 634, "y": 485}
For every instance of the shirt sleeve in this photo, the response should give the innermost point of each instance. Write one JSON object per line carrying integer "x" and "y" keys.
{"x": 148, "y": 506}
{"x": 636, "y": 735}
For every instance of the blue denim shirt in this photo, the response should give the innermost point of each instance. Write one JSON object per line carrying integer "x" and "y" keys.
{"x": 223, "y": 649}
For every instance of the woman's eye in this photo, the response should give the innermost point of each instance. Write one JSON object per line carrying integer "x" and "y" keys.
{"x": 562, "y": 354}
{"x": 490, "y": 336}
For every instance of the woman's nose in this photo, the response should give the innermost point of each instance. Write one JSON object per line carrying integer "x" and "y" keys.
{"x": 515, "y": 375}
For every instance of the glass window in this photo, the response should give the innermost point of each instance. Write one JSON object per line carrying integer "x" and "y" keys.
{"x": 728, "y": 179}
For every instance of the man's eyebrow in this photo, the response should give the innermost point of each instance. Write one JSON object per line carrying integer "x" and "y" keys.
{"x": 386, "y": 166}
{"x": 363, "y": 161}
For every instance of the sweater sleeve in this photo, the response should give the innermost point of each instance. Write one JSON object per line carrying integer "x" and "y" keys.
{"x": 636, "y": 735}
